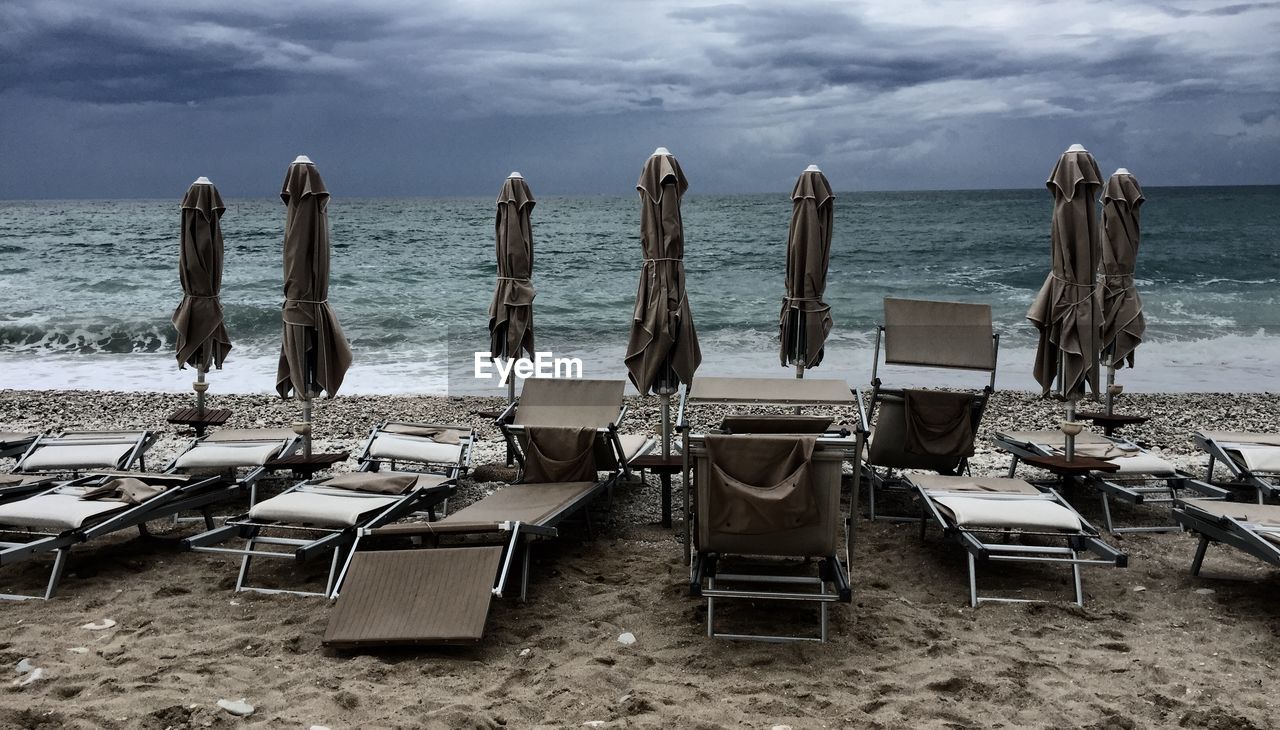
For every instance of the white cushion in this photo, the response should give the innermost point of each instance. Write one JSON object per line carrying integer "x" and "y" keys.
{"x": 228, "y": 455}
{"x": 390, "y": 446}
{"x": 1026, "y": 514}
{"x": 634, "y": 445}
{"x": 77, "y": 456}
{"x": 55, "y": 511}
{"x": 1142, "y": 462}
{"x": 1258, "y": 458}
{"x": 310, "y": 508}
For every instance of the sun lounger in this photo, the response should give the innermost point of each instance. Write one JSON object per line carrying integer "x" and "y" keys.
{"x": 1142, "y": 477}
{"x": 322, "y": 516}
{"x": 1253, "y": 528}
{"x": 933, "y": 430}
{"x": 564, "y": 434}
{"x": 74, "y": 452}
{"x": 764, "y": 519}
{"x": 1253, "y": 459}
{"x": 405, "y": 446}
{"x": 1010, "y": 520}
{"x": 240, "y": 454}
{"x": 15, "y": 443}
{"x": 84, "y": 509}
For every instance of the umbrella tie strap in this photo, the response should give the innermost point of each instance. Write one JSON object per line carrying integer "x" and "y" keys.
{"x": 1089, "y": 287}
{"x": 201, "y": 296}
{"x": 513, "y": 278}
{"x": 654, "y": 261}
{"x": 306, "y": 301}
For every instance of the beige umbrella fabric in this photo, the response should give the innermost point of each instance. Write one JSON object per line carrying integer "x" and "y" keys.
{"x": 1067, "y": 311}
{"x": 805, "y": 320}
{"x": 314, "y": 352}
{"x": 663, "y": 348}
{"x": 511, "y": 312}
{"x": 202, "y": 333}
{"x": 1123, "y": 323}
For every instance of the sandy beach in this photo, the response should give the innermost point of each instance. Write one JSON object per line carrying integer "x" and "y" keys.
{"x": 1154, "y": 647}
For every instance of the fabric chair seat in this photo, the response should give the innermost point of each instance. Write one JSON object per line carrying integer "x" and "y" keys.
{"x": 1021, "y": 514}
{"x": 395, "y": 447}
{"x": 55, "y": 511}
{"x": 228, "y": 455}
{"x": 327, "y": 509}
{"x": 633, "y": 445}
{"x": 1264, "y": 459}
{"x": 78, "y": 456}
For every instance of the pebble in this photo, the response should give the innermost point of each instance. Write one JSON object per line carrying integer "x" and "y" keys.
{"x": 627, "y": 639}
{"x": 238, "y": 708}
{"x": 781, "y": 727}
{"x": 79, "y": 650}
{"x": 1205, "y": 591}
{"x": 24, "y": 666}
{"x": 102, "y": 625}
{"x": 593, "y": 723}
{"x": 35, "y": 675}
{"x": 318, "y": 727}
{"x": 525, "y": 652}
{"x": 1139, "y": 589}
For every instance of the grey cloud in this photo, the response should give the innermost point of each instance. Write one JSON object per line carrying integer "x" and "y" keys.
{"x": 1255, "y": 118}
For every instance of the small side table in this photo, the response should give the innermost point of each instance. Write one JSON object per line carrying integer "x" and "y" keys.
{"x": 199, "y": 418}
{"x": 1113, "y": 422}
{"x": 303, "y": 466}
{"x": 663, "y": 468}
{"x": 1078, "y": 466}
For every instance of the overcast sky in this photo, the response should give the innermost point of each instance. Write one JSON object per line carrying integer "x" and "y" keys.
{"x": 134, "y": 98}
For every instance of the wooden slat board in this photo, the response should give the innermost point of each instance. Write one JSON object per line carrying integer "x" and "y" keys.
{"x": 428, "y": 596}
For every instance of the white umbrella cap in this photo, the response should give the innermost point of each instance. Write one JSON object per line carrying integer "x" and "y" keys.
{"x": 1122, "y": 171}
{"x": 303, "y": 160}
{"x": 812, "y": 168}
{"x": 515, "y": 176}
{"x": 1077, "y": 148}
{"x": 202, "y": 180}
{"x": 660, "y": 151}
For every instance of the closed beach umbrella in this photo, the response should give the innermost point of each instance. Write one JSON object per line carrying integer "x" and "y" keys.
{"x": 805, "y": 321}
{"x": 1067, "y": 311}
{"x": 511, "y": 312}
{"x": 314, "y": 355}
{"x": 662, "y": 351}
{"x": 1122, "y": 323}
{"x": 202, "y": 335}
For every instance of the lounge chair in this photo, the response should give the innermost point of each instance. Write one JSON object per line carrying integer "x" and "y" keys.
{"x": 1253, "y": 528}
{"x": 74, "y": 452}
{"x": 90, "y": 507}
{"x": 322, "y": 516}
{"x": 434, "y": 447}
{"x": 15, "y": 443}
{"x": 564, "y": 434}
{"x": 239, "y": 454}
{"x": 1253, "y": 459}
{"x": 932, "y": 430}
{"x": 1143, "y": 477}
{"x": 1010, "y": 520}
{"x": 765, "y": 521}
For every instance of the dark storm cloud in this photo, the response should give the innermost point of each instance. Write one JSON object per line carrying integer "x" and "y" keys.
{"x": 422, "y": 98}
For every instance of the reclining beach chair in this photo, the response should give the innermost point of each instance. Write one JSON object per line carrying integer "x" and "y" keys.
{"x": 1253, "y": 459}
{"x": 74, "y": 452}
{"x": 322, "y": 516}
{"x": 1253, "y": 528}
{"x": 932, "y": 430}
{"x": 433, "y": 447}
{"x": 765, "y": 520}
{"x": 1143, "y": 477}
{"x": 89, "y": 507}
{"x": 442, "y": 595}
{"x": 15, "y": 443}
{"x": 238, "y": 454}
{"x": 1010, "y": 520}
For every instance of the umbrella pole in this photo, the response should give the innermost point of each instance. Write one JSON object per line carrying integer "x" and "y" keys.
{"x": 200, "y": 387}
{"x": 664, "y": 401}
{"x": 304, "y": 429}
{"x": 1112, "y": 389}
{"x": 511, "y": 398}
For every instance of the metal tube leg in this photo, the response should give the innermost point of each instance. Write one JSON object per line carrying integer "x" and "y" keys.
{"x": 524, "y": 573}
{"x": 871, "y": 497}
{"x": 1106, "y": 512}
{"x": 1075, "y": 576}
{"x": 1013, "y": 466}
{"x": 711, "y": 610}
{"x": 244, "y": 565}
{"x": 59, "y": 562}
{"x": 1198, "y": 560}
{"x": 973, "y": 582}
{"x": 1208, "y": 477}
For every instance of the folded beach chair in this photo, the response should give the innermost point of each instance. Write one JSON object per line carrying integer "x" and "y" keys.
{"x": 89, "y": 507}
{"x": 15, "y": 443}
{"x": 1253, "y": 528}
{"x": 322, "y": 516}
{"x": 564, "y": 434}
{"x": 932, "y": 430}
{"x": 1253, "y": 459}
{"x": 767, "y": 513}
{"x": 239, "y": 454}
{"x": 406, "y": 446}
{"x": 1143, "y": 477}
{"x": 1010, "y": 520}
{"x": 74, "y": 452}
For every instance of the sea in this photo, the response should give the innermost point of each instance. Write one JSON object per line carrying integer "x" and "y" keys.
{"x": 87, "y": 287}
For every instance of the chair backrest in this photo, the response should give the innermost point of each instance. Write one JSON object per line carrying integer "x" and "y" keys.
{"x": 569, "y": 403}
{"x": 938, "y": 334}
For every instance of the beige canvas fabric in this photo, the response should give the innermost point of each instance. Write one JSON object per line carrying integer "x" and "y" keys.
{"x": 1122, "y": 321}
{"x": 805, "y": 320}
{"x": 1242, "y": 437}
{"x": 1014, "y": 514}
{"x": 939, "y": 423}
{"x": 511, "y": 311}
{"x": 788, "y": 390}
{"x": 760, "y": 484}
{"x": 663, "y": 347}
{"x": 980, "y": 485}
{"x": 1067, "y": 311}
{"x": 554, "y": 454}
{"x": 938, "y": 334}
{"x": 313, "y": 343}
{"x": 377, "y": 482}
{"x": 569, "y": 402}
{"x": 126, "y": 489}
{"x": 441, "y": 434}
{"x": 202, "y": 340}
